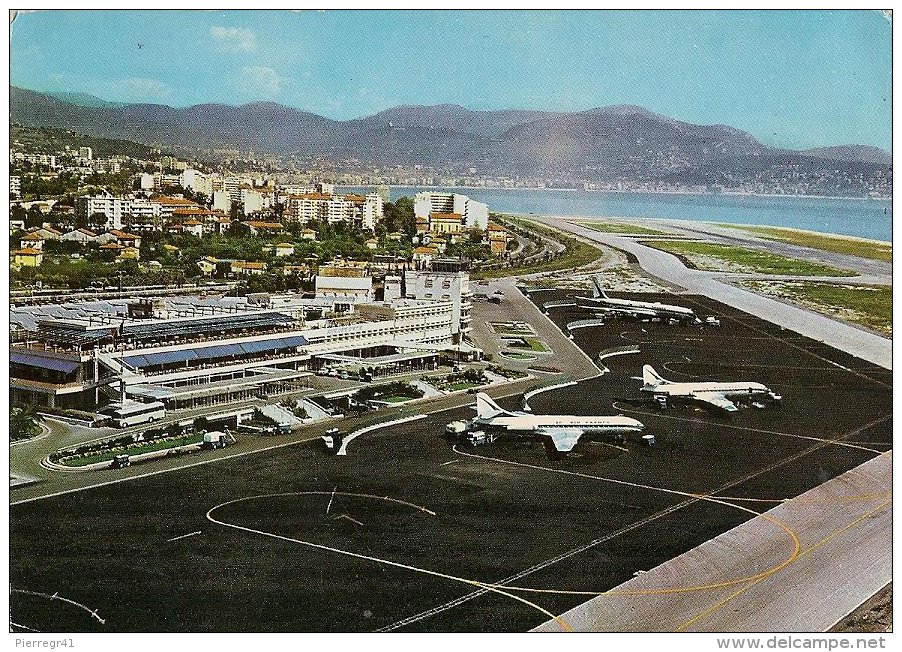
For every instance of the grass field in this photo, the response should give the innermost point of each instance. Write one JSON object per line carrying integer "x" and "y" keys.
{"x": 613, "y": 227}
{"x": 534, "y": 345}
{"x": 720, "y": 257}
{"x": 862, "y": 304}
{"x": 506, "y": 329}
{"x": 577, "y": 254}
{"x": 850, "y": 246}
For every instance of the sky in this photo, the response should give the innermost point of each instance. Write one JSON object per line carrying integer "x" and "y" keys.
{"x": 794, "y": 79}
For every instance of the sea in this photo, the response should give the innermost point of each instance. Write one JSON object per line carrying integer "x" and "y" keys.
{"x": 863, "y": 218}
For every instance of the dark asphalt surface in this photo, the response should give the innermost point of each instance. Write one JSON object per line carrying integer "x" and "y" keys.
{"x": 110, "y": 548}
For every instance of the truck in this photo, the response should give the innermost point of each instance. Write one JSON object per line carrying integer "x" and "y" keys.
{"x": 480, "y": 438}
{"x": 333, "y": 439}
{"x": 214, "y": 440}
{"x": 120, "y": 462}
{"x": 456, "y": 429}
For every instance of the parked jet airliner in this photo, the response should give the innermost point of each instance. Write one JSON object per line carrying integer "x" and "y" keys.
{"x": 714, "y": 393}
{"x": 564, "y": 431}
{"x": 601, "y": 302}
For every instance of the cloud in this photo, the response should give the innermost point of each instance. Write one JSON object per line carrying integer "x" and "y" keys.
{"x": 259, "y": 82}
{"x": 234, "y": 39}
{"x": 142, "y": 88}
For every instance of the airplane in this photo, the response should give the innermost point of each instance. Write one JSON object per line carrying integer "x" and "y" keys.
{"x": 562, "y": 431}
{"x": 711, "y": 392}
{"x": 601, "y": 302}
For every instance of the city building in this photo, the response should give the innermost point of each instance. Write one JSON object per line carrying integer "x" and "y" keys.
{"x": 474, "y": 214}
{"x": 196, "y": 181}
{"x": 247, "y": 268}
{"x": 193, "y": 227}
{"x": 15, "y": 187}
{"x": 207, "y": 265}
{"x": 422, "y": 256}
{"x": 167, "y": 205}
{"x": 359, "y": 288}
{"x": 32, "y": 241}
{"x": 222, "y": 201}
{"x": 284, "y": 249}
{"x": 451, "y": 286}
{"x": 256, "y": 227}
{"x": 145, "y": 181}
{"x": 359, "y": 210}
{"x": 498, "y": 239}
{"x": 26, "y": 257}
{"x": 83, "y": 236}
{"x": 117, "y": 210}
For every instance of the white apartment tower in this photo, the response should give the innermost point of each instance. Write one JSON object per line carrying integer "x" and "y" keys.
{"x": 475, "y": 214}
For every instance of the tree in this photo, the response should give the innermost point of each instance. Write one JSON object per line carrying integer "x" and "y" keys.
{"x": 17, "y": 213}
{"x": 399, "y": 217}
{"x": 22, "y": 424}
{"x": 34, "y": 217}
{"x": 97, "y": 220}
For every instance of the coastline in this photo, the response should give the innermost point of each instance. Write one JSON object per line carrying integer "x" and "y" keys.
{"x": 645, "y": 221}
{"x": 691, "y": 193}
{"x": 852, "y": 217}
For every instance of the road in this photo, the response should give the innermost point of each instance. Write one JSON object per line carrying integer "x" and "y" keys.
{"x": 808, "y": 563}
{"x": 667, "y": 267}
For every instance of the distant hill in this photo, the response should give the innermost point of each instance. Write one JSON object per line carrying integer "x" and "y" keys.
{"x": 622, "y": 142}
{"x": 860, "y": 153}
{"x": 48, "y": 140}
{"x": 613, "y": 140}
{"x": 83, "y": 99}
{"x": 453, "y": 117}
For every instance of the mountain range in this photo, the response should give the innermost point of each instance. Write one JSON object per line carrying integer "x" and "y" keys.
{"x": 606, "y": 143}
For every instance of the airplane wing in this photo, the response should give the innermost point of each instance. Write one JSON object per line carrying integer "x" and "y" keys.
{"x": 564, "y": 439}
{"x": 717, "y": 400}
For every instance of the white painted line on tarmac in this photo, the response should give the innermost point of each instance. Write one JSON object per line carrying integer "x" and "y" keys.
{"x": 184, "y": 536}
{"x": 331, "y": 498}
{"x": 353, "y": 520}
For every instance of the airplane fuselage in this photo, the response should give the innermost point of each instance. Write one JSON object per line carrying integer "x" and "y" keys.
{"x": 539, "y": 423}
{"x": 728, "y": 390}
{"x": 645, "y": 307}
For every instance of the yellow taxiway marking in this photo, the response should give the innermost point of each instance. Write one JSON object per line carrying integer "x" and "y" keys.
{"x": 796, "y": 543}
{"x": 719, "y": 605}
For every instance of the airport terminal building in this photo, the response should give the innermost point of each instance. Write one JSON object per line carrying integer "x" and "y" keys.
{"x": 191, "y": 352}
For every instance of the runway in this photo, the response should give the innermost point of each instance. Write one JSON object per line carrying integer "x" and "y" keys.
{"x": 860, "y": 343}
{"x": 845, "y": 530}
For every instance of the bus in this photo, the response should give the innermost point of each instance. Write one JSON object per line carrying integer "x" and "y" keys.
{"x": 132, "y": 413}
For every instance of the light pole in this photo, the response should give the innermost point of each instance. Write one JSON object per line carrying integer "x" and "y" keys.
{"x": 119, "y": 274}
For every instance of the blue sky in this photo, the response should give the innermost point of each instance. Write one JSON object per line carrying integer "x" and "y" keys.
{"x": 792, "y": 78}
